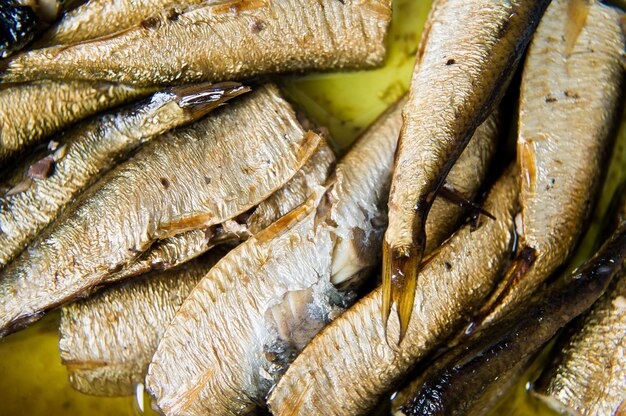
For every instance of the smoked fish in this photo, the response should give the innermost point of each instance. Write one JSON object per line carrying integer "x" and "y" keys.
{"x": 196, "y": 177}
{"x": 223, "y": 41}
{"x": 572, "y": 87}
{"x": 31, "y": 112}
{"x": 84, "y": 153}
{"x": 271, "y": 295}
{"x": 467, "y": 56}
{"x": 350, "y": 365}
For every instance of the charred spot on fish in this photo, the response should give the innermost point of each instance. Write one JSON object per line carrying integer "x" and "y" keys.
{"x": 570, "y": 94}
{"x": 550, "y": 99}
{"x": 448, "y": 265}
{"x": 172, "y": 15}
{"x": 450, "y": 62}
{"x": 165, "y": 182}
{"x": 150, "y": 23}
{"x": 257, "y": 26}
{"x": 207, "y": 180}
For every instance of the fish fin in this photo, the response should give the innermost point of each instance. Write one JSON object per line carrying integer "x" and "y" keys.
{"x": 577, "y": 11}
{"x": 207, "y": 93}
{"x": 399, "y": 282}
{"x": 449, "y": 193}
{"x": 518, "y": 269}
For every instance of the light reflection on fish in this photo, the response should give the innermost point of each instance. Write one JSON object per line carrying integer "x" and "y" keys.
{"x": 83, "y": 154}
{"x": 271, "y": 295}
{"x": 350, "y": 365}
{"x": 218, "y": 42}
{"x": 196, "y": 177}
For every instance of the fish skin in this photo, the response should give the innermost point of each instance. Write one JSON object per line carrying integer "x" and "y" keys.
{"x": 454, "y": 388}
{"x": 175, "y": 250}
{"x": 588, "y": 376}
{"x": 31, "y": 112}
{"x": 181, "y": 185}
{"x": 321, "y": 35}
{"x": 467, "y": 56}
{"x": 347, "y": 368}
{"x": 107, "y": 341}
{"x": 569, "y": 106}
{"x": 99, "y": 18}
{"x": 90, "y": 149}
{"x": 316, "y": 256}
{"x": 144, "y": 320}
{"x": 255, "y": 285}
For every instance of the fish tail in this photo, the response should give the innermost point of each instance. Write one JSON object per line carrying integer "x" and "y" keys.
{"x": 400, "y": 272}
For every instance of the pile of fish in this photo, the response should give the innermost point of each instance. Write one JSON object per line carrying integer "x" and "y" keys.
{"x": 203, "y": 240}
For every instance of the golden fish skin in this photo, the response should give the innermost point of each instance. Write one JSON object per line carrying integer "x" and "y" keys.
{"x": 84, "y": 154}
{"x": 347, "y": 368}
{"x": 31, "y": 112}
{"x": 468, "y": 53}
{"x": 221, "y": 42}
{"x": 175, "y": 183}
{"x": 126, "y": 322}
{"x": 183, "y": 247}
{"x": 99, "y": 18}
{"x": 475, "y": 367}
{"x": 569, "y": 105}
{"x": 291, "y": 280}
{"x": 589, "y": 375}
{"x": 149, "y": 303}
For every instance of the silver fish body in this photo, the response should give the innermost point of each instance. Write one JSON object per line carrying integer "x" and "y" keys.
{"x": 589, "y": 375}
{"x": 107, "y": 341}
{"x": 192, "y": 178}
{"x": 224, "y": 41}
{"x": 350, "y": 365}
{"x": 99, "y": 18}
{"x": 149, "y": 302}
{"x": 82, "y": 155}
{"x": 467, "y": 56}
{"x": 31, "y": 112}
{"x": 276, "y": 291}
{"x": 475, "y": 367}
{"x": 572, "y": 86}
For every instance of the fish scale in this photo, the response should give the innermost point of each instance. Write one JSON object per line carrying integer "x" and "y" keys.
{"x": 88, "y": 244}
{"x": 318, "y": 254}
{"x": 217, "y": 43}
{"x": 572, "y": 87}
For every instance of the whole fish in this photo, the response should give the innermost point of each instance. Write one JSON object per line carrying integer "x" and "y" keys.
{"x": 50, "y": 180}
{"x": 454, "y": 388}
{"x": 231, "y": 40}
{"x": 127, "y": 322}
{"x": 350, "y": 365}
{"x": 467, "y": 56}
{"x": 150, "y": 303}
{"x": 271, "y": 295}
{"x": 192, "y": 178}
{"x": 572, "y": 85}
{"x": 589, "y": 375}
{"x": 183, "y": 247}
{"x": 18, "y": 25}
{"x": 31, "y": 112}
{"x": 98, "y": 18}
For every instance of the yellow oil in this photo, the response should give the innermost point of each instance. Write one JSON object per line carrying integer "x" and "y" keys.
{"x": 32, "y": 378}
